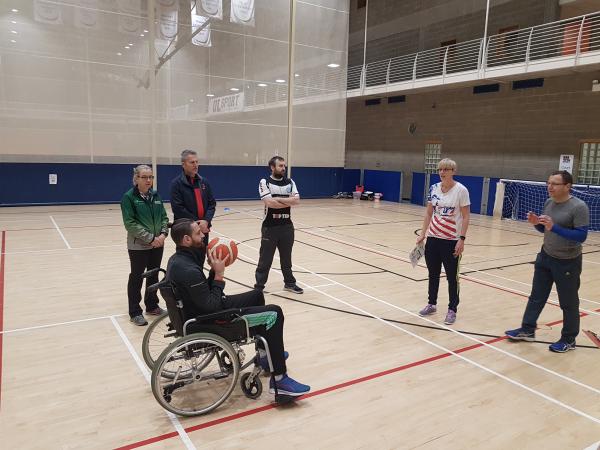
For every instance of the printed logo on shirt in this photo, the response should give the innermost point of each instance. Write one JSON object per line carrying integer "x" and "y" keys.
{"x": 281, "y": 216}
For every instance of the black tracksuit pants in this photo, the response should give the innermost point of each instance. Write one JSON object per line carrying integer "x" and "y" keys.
{"x": 438, "y": 252}
{"x": 280, "y": 237}
{"x": 141, "y": 261}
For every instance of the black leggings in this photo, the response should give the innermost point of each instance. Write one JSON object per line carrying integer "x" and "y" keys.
{"x": 438, "y": 252}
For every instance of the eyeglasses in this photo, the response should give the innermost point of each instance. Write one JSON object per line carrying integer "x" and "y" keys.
{"x": 555, "y": 184}
{"x": 146, "y": 177}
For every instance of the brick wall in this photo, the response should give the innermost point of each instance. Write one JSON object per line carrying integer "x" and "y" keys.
{"x": 508, "y": 134}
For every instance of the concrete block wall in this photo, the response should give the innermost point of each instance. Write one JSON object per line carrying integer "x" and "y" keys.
{"x": 507, "y": 134}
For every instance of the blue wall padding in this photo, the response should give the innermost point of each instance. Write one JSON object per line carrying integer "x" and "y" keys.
{"x": 350, "y": 180}
{"x": 27, "y": 183}
{"x": 416, "y": 191}
{"x": 386, "y": 182}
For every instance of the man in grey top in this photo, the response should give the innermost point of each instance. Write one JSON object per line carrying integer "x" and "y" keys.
{"x": 564, "y": 222}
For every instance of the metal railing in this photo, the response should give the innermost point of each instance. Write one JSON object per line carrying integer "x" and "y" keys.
{"x": 565, "y": 39}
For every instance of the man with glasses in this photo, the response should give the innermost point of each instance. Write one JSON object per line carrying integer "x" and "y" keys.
{"x": 564, "y": 222}
{"x": 191, "y": 195}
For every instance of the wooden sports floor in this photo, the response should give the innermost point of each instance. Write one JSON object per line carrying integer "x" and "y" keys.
{"x": 382, "y": 377}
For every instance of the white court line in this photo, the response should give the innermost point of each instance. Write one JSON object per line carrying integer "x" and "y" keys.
{"x": 595, "y": 446}
{"x": 446, "y": 350}
{"x": 60, "y": 232}
{"x": 174, "y": 420}
{"x": 467, "y": 277}
{"x": 51, "y": 250}
{"x": 307, "y": 286}
{"x": 50, "y": 325}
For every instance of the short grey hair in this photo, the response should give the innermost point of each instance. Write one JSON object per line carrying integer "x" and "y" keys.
{"x": 137, "y": 170}
{"x": 186, "y": 153}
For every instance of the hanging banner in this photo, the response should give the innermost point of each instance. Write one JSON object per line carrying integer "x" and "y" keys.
{"x": 86, "y": 16}
{"x": 129, "y": 21}
{"x": 566, "y": 163}
{"x": 226, "y": 104}
{"x": 166, "y": 27}
{"x": 202, "y": 39}
{"x": 46, "y": 12}
{"x": 242, "y": 12}
{"x": 210, "y": 8}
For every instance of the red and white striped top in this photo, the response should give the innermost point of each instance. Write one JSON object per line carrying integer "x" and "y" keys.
{"x": 446, "y": 221}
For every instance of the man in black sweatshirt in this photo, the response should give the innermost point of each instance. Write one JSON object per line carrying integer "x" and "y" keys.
{"x": 201, "y": 295}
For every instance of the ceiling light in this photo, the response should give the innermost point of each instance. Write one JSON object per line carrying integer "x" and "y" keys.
{"x": 296, "y": 75}
{"x": 127, "y": 46}
{"x": 333, "y": 65}
{"x": 262, "y": 85}
{"x": 142, "y": 35}
{"x": 13, "y": 21}
{"x": 13, "y": 31}
{"x": 234, "y": 89}
{"x": 131, "y": 45}
{"x": 14, "y": 10}
{"x": 145, "y": 31}
{"x": 191, "y": 100}
{"x": 120, "y": 54}
{"x": 13, "y": 41}
{"x": 279, "y": 80}
{"x": 210, "y": 95}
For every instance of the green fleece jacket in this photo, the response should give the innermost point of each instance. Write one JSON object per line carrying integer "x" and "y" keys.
{"x": 143, "y": 219}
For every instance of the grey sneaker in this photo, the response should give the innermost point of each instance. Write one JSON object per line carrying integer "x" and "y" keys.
{"x": 138, "y": 320}
{"x": 450, "y": 317}
{"x": 156, "y": 311}
{"x": 428, "y": 310}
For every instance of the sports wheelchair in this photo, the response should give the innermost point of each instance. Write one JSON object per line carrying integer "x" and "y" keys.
{"x": 198, "y": 371}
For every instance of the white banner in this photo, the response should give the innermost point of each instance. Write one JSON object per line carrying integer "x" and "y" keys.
{"x": 46, "y": 12}
{"x": 566, "y": 163}
{"x": 87, "y": 18}
{"x": 210, "y": 8}
{"x": 167, "y": 23}
{"x": 242, "y": 12}
{"x": 202, "y": 39}
{"x": 226, "y": 104}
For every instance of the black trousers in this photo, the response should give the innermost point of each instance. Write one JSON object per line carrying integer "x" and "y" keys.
{"x": 438, "y": 252}
{"x": 279, "y": 237}
{"x": 565, "y": 273}
{"x": 141, "y": 261}
{"x": 253, "y": 302}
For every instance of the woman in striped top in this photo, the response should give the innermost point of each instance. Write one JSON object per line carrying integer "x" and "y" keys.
{"x": 445, "y": 228}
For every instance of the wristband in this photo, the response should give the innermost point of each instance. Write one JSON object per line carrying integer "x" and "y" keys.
{"x": 462, "y": 238}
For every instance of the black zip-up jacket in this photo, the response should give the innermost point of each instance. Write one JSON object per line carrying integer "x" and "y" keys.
{"x": 183, "y": 200}
{"x": 200, "y": 295}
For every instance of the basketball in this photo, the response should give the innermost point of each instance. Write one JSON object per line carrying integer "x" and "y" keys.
{"x": 224, "y": 247}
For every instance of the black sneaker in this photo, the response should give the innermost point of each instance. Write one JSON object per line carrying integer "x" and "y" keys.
{"x": 138, "y": 320}
{"x": 156, "y": 311}
{"x": 293, "y": 288}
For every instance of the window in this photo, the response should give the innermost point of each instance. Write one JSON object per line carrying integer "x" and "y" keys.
{"x": 527, "y": 84}
{"x": 433, "y": 154}
{"x": 589, "y": 165}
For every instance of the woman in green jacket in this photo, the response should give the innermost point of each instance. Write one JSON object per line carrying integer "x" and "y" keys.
{"x": 146, "y": 221}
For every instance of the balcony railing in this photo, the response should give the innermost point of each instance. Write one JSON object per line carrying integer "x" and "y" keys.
{"x": 567, "y": 41}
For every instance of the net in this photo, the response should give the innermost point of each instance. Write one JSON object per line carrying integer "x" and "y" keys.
{"x": 521, "y": 197}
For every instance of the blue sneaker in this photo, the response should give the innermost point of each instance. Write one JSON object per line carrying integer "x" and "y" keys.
{"x": 562, "y": 347}
{"x": 520, "y": 335}
{"x": 263, "y": 362}
{"x": 288, "y": 386}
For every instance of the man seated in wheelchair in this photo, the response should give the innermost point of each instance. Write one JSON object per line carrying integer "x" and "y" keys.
{"x": 201, "y": 295}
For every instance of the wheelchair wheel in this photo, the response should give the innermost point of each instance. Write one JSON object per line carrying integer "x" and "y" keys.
{"x": 190, "y": 377}
{"x": 252, "y": 388}
{"x": 157, "y": 338}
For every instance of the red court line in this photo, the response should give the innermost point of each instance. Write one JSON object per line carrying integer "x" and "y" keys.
{"x": 2, "y": 259}
{"x": 336, "y": 387}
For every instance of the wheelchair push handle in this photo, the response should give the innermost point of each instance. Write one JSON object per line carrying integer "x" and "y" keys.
{"x": 153, "y": 272}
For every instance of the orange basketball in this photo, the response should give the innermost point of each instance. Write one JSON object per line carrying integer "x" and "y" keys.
{"x": 224, "y": 247}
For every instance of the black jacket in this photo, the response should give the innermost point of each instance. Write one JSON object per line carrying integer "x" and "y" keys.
{"x": 183, "y": 201}
{"x": 200, "y": 295}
